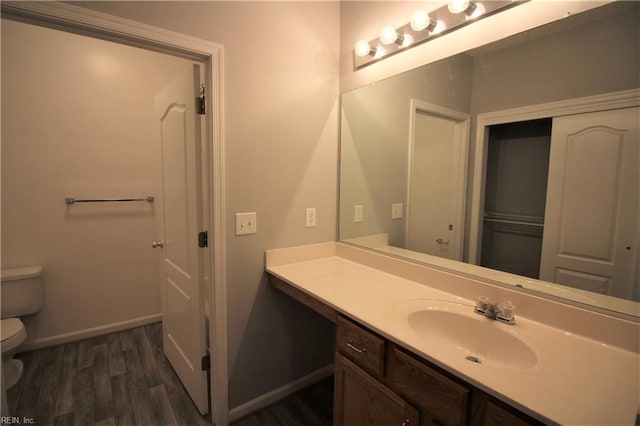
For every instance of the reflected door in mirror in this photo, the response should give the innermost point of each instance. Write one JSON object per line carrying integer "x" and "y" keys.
{"x": 591, "y": 220}
{"x": 433, "y": 171}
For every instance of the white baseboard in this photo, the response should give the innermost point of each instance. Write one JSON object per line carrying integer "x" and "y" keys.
{"x": 276, "y": 395}
{"x": 89, "y": 332}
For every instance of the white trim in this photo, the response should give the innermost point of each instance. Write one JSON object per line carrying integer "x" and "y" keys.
{"x": 279, "y": 394}
{"x": 100, "y": 25}
{"x": 607, "y": 101}
{"x": 86, "y": 333}
{"x": 72, "y": 18}
{"x": 460, "y": 184}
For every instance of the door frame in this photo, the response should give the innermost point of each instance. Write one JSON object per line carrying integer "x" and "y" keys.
{"x": 461, "y": 151}
{"x": 75, "y": 19}
{"x": 603, "y": 102}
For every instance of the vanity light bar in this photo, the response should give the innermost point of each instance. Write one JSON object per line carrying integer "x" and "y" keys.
{"x": 424, "y": 27}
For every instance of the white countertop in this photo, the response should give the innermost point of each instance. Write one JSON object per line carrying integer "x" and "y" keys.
{"x": 576, "y": 381}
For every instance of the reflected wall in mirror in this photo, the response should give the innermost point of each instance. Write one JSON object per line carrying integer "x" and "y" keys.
{"x": 433, "y": 168}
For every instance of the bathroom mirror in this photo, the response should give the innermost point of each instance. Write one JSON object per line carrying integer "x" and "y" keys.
{"x": 457, "y": 163}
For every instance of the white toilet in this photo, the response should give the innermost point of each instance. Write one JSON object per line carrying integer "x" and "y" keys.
{"x": 21, "y": 294}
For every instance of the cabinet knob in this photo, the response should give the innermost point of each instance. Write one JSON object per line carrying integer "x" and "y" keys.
{"x": 407, "y": 422}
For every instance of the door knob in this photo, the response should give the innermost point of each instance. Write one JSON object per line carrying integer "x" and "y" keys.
{"x": 156, "y": 244}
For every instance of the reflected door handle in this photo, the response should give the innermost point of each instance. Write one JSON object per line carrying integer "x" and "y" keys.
{"x": 157, "y": 244}
{"x": 442, "y": 242}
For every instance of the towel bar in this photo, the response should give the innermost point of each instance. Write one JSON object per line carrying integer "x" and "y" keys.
{"x": 71, "y": 200}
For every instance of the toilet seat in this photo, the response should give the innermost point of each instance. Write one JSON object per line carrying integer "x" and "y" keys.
{"x": 13, "y": 333}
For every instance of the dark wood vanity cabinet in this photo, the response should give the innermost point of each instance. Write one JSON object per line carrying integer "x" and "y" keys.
{"x": 379, "y": 383}
{"x": 442, "y": 399}
{"x": 362, "y": 400}
{"x": 408, "y": 390}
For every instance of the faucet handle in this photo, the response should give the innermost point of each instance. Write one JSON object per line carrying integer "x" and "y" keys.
{"x": 504, "y": 312}
{"x": 482, "y": 304}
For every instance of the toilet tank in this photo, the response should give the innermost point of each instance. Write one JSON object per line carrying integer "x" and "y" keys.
{"x": 21, "y": 291}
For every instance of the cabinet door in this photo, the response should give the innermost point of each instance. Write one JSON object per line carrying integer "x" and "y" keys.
{"x": 360, "y": 400}
{"x": 443, "y": 401}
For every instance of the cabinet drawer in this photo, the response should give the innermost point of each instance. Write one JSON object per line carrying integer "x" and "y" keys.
{"x": 443, "y": 400}
{"x": 361, "y": 346}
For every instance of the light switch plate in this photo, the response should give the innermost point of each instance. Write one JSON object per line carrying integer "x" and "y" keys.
{"x": 246, "y": 223}
{"x": 396, "y": 211}
{"x": 310, "y": 217}
{"x": 358, "y": 213}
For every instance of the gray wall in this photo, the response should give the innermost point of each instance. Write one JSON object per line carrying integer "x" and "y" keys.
{"x": 281, "y": 131}
{"x": 583, "y": 60}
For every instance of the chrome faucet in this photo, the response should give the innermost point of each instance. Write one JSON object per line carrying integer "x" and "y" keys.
{"x": 502, "y": 312}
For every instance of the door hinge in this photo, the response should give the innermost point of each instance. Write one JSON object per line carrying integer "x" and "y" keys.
{"x": 201, "y": 102}
{"x": 203, "y": 239}
{"x": 206, "y": 363}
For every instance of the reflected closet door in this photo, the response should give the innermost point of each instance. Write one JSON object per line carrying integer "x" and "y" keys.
{"x": 591, "y": 219}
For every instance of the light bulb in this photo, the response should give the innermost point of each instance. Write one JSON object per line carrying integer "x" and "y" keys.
{"x": 362, "y": 48}
{"x": 388, "y": 35}
{"x": 439, "y": 27}
{"x": 407, "y": 40}
{"x": 458, "y": 6}
{"x": 379, "y": 52}
{"x": 420, "y": 20}
{"x": 478, "y": 10}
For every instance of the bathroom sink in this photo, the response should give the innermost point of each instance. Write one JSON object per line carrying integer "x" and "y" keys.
{"x": 456, "y": 328}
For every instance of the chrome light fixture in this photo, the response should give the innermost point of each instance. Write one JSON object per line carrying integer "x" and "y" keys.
{"x": 425, "y": 26}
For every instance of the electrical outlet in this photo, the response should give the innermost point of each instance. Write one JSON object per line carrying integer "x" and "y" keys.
{"x": 358, "y": 213}
{"x": 310, "y": 217}
{"x": 246, "y": 223}
{"x": 396, "y": 211}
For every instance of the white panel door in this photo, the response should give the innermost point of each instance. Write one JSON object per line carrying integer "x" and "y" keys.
{"x": 434, "y": 217}
{"x": 591, "y": 219}
{"x": 183, "y": 298}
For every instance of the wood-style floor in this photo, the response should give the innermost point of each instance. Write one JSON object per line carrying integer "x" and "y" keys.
{"x": 124, "y": 379}
{"x": 312, "y": 406}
